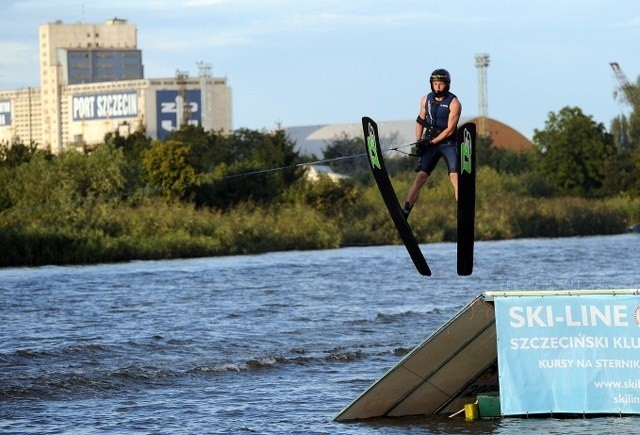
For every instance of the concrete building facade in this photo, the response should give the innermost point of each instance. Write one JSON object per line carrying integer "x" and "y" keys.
{"x": 92, "y": 83}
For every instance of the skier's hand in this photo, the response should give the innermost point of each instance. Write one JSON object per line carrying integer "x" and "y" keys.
{"x": 422, "y": 145}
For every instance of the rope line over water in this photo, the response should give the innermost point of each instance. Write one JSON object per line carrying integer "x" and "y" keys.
{"x": 310, "y": 163}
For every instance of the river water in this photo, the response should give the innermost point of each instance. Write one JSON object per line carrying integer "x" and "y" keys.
{"x": 273, "y": 343}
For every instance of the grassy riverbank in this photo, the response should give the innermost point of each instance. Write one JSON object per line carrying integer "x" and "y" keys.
{"x": 154, "y": 228}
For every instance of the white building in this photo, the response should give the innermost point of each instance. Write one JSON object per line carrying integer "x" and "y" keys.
{"x": 314, "y": 173}
{"x": 92, "y": 83}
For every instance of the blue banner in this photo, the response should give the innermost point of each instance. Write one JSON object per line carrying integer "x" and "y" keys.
{"x": 105, "y": 106}
{"x": 175, "y": 108}
{"x": 5, "y": 113}
{"x": 569, "y": 354}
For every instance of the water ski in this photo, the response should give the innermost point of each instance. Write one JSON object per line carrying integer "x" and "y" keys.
{"x": 376, "y": 162}
{"x": 466, "y": 197}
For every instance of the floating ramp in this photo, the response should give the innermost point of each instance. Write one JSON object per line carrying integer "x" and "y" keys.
{"x": 457, "y": 362}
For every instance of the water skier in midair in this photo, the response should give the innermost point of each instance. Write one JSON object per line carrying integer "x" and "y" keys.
{"x": 437, "y": 124}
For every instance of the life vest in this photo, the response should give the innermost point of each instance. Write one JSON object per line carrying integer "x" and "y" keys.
{"x": 438, "y": 113}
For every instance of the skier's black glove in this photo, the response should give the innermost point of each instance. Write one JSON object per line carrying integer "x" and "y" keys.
{"x": 422, "y": 145}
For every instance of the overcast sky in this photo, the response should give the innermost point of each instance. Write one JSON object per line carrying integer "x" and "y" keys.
{"x": 304, "y": 62}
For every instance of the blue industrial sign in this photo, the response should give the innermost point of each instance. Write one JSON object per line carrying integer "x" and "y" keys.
{"x": 569, "y": 354}
{"x": 176, "y": 108}
{"x": 5, "y": 113}
{"x": 105, "y": 106}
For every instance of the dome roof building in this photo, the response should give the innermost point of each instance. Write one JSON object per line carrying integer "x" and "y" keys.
{"x": 313, "y": 139}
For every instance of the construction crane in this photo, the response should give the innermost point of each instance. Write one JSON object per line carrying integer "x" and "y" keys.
{"x": 623, "y": 81}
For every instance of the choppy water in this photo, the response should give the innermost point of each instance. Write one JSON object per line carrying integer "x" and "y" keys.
{"x": 274, "y": 343}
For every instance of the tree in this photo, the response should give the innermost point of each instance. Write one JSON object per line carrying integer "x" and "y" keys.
{"x": 166, "y": 166}
{"x": 248, "y": 165}
{"x": 502, "y": 160}
{"x": 68, "y": 189}
{"x": 220, "y": 169}
{"x": 201, "y": 145}
{"x": 17, "y": 153}
{"x": 626, "y": 129}
{"x": 133, "y": 147}
{"x": 347, "y": 157}
{"x": 572, "y": 151}
{"x": 626, "y": 134}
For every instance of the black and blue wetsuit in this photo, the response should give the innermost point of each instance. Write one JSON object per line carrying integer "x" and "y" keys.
{"x": 438, "y": 120}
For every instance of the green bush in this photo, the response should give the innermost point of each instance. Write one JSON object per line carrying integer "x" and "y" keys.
{"x": 81, "y": 208}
